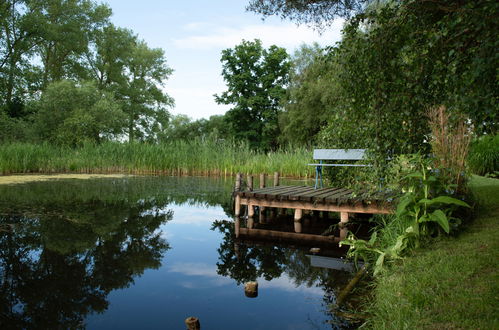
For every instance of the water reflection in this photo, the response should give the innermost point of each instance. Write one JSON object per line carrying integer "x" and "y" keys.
{"x": 264, "y": 258}
{"x": 137, "y": 252}
{"x": 65, "y": 251}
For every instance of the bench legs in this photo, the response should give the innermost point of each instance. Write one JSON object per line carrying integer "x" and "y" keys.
{"x": 318, "y": 176}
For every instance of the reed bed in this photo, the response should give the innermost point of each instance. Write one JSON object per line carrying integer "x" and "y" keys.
{"x": 209, "y": 158}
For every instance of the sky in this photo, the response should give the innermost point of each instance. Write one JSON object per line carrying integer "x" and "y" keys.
{"x": 193, "y": 34}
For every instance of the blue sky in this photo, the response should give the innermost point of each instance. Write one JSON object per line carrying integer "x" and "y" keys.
{"x": 193, "y": 34}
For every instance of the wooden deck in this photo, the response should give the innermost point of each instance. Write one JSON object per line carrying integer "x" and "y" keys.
{"x": 302, "y": 198}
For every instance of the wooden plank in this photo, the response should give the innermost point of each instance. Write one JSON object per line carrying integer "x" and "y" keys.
{"x": 262, "y": 193}
{"x": 318, "y": 195}
{"x": 279, "y": 193}
{"x": 334, "y": 197}
{"x": 288, "y": 195}
{"x": 297, "y": 196}
{"x": 339, "y": 154}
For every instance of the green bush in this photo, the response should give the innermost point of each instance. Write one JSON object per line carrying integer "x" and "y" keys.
{"x": 483, "y": 157}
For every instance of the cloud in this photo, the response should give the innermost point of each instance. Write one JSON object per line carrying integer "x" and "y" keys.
{"x": 209, "y": 272}
{"x": 197, "y": 102}
{"x": 284, "y": 35}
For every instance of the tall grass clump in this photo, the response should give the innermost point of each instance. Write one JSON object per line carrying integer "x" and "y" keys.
{"x": 483, "y": 158}
{"x": 450, "y": 144}
{"x": 197, "y": 157}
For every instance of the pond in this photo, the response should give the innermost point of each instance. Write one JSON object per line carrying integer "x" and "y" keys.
{"x": 148, "y": 252}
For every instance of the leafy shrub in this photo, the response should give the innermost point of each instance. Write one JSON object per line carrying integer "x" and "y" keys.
{"x": 426, "y": 209}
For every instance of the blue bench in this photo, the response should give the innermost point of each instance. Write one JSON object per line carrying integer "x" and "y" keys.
{"x": 335, "y": 155}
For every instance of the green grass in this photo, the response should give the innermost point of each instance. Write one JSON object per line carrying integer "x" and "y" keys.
{"x": 451, "y": 284}
{"x": 175, "y": 158}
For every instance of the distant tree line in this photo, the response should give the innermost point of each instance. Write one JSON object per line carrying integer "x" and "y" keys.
{"x": 67, "y": 75}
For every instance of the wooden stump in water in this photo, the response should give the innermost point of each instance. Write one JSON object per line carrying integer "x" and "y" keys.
{"x": 192, "y": 323}
{"x": 262, "y": 181}
{"x": 251, "y": 289}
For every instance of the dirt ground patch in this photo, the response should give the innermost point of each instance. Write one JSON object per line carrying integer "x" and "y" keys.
{"x": 16, "y": 179}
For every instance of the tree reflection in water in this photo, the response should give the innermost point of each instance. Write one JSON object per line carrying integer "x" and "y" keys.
{"x": 64, "y": 254}
{"x": 248, "y": 261}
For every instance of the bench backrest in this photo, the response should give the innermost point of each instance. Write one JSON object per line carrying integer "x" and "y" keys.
{"x": 339, "y": 154}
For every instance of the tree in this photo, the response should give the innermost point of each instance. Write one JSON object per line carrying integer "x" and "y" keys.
{"x": 19, "y": 34}
{"x": 317, "y": 12}
{"x": 311, "y": 95}
{"x": 256, "y": 80}
{"x": 135, "y": 73}
{"x": 70, "y": 113}
{"x": 67, "y": 28}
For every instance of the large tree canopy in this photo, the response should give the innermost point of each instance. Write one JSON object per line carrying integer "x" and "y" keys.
{"x": 44, "y": 42}
{"x": 396, "y": 61}
{"x": 256, "y": 80}
{"x": 317, "y": 12}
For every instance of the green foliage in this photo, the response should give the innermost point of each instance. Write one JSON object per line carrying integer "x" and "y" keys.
{"x": 395, "y": 61}
{"x": 420, "y": 214}
{"x": 255, "y": 79}
{"x": 483, "y": 158}
{"x": 44, "y": 42}
{"x": 135, "y": 73}
{"x": 450, "y": 284}
{"x": 72, "y": 114}
{"x": 318, "y": 12}
{"x": 181, "y": 127}
{"x": 309, "y": 96}
{"x": 196, "y": 157}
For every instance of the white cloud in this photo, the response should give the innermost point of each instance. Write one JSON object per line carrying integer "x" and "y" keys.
{"x": 197, "y": 102}
{"x": 287, "y": 35}
{"x": 212, "y": 278}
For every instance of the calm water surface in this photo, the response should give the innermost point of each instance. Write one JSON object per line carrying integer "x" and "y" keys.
{"x": 147, "y": 252}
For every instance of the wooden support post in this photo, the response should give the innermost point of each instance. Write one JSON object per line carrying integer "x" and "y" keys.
{"x": 237, "y": 207}
{"x": 262, "y": 209}
{"x": 298, "y": 227}
{"x": 251, "y": 210}
{"x": 192, "y": 323}
{"x": 261, "y": 216}
{"x": 250, "y": 182}
{"x": 236, "y": 250}
{"x": 276, "y": 179}
{"x": 249, "y": 224}
{"x": 237, "y": 226}
{"x": 343, "y": 224}
{"x": 298, "y": 215}
{"x": 238, "y": 181}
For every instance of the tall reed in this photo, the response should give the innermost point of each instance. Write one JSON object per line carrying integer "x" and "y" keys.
{"x": 196, "y": 157}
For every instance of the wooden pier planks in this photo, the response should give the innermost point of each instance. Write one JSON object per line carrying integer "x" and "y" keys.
{"x": 299, "y": 196}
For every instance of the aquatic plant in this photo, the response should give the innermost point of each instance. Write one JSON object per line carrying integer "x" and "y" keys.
{"x": 197, "y": 157}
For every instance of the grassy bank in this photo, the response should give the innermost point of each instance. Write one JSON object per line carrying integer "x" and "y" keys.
{"x": 175, "y": 158}
{"x": 452, "y": 284}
